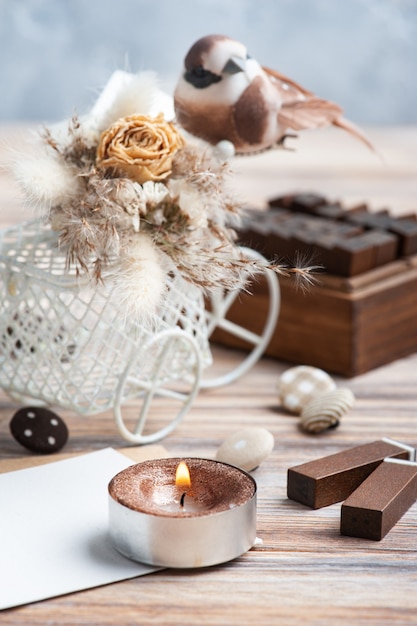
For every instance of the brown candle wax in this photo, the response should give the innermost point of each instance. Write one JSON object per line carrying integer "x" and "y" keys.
{"x": 150, "y": 487}
{"x": 152, "y": 520}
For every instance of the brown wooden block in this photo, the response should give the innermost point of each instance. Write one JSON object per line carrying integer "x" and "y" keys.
{"x": 353, "y": 256}
{"x": 266, "y": 219}
{"x": 280, "y": 241}
{"x": 348, "y": 230}
{"x": 259, "y": 230}
{"x": 380, "y": 501}
{"x": 322, "y": 253}
{"x": 332, "y": 478}
{"x": 409, "y": 216}
{"x": 333, "y": 211}
{"x": 354, "y": 250}
{"x": 283, "y": 201}
{"x": 380, "y": 220}
{"x": 358, "y": 208}
{"x": 385, "y": 246}
{"x": 406, "y": 230}
{"x": 307, "y": 202}
{"x": 314, "y": 224}
{"x": 357, "y": 255}
{"x": 255, "y": 237}
{"x": 303, "y": 202}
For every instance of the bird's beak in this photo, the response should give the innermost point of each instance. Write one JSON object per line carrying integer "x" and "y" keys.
{"x": 234, "y": 65}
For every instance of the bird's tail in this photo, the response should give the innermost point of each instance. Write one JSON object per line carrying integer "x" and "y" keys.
{"x": 351, "y": 128}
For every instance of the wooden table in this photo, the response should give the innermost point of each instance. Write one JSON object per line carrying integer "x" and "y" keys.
{"x": 305, "y": 572}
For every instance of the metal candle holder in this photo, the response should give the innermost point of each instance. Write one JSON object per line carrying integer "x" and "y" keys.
{"x": 153, "y": 521}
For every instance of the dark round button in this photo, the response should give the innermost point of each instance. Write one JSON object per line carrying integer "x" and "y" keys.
{"x": 39, "y": 429}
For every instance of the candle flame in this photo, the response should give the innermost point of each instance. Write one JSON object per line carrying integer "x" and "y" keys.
{"x": 182, "y": 476}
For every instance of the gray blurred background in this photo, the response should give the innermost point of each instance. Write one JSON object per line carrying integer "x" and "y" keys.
{"x": 57, "y": 54}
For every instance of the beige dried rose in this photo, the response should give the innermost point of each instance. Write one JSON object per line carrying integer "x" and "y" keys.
{"x": 139, "y": 147}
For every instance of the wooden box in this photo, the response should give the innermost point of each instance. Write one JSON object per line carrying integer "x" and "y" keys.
{"x": 347, "y": 326}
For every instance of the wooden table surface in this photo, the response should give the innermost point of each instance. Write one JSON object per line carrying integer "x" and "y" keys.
{"x": 305, "y": 572}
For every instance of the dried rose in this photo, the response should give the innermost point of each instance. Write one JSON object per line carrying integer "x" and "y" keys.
{"x": 139, "y": 147}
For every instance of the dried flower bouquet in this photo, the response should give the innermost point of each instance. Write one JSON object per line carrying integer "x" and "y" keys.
{"x": 130, "y": 197}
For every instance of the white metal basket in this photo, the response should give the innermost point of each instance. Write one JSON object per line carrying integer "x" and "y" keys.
{"x": 65, "y": 341}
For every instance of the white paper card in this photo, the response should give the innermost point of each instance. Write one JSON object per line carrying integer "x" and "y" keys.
{"x": 53, "y": 529}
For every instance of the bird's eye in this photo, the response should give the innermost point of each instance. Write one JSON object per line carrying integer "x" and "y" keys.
{"x": 199, "y": 71}
{"x": 248, "y": 56}
{"x": 200, "y": 77}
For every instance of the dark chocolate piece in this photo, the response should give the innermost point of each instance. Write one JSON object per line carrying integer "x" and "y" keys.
{"x": 39, "y": 430}
{"x": 332, "y": 478}
{"x": 380, "y": 501}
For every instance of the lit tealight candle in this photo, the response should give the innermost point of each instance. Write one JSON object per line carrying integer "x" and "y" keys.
{"x": 182, "y": 513}
{"x": 183, "y": 483}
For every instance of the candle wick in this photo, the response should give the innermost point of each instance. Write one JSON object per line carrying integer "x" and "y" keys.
{"x": 182, "y": 499}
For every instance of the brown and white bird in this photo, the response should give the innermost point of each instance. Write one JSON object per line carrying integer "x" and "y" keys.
{"x": 224, "y": 95}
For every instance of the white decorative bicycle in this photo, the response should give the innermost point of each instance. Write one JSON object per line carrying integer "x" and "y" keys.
{"x": 65, "y": 342}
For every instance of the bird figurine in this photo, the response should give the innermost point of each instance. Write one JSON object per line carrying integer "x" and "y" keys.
{"x": 224, "y": 96}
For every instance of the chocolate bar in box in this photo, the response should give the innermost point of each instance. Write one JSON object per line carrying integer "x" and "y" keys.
{"x": 362, "y": 313}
